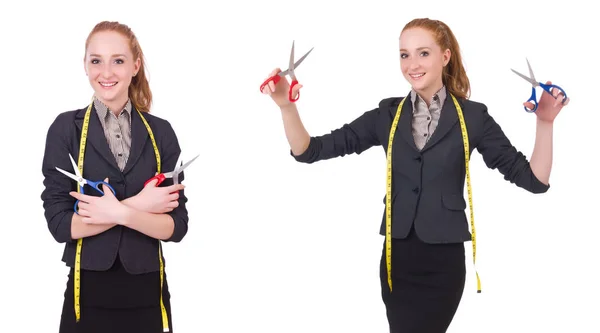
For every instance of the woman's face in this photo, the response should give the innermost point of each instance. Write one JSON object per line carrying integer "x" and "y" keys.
{"x": 110, "y": 66}
{"x": 422, "y": 61}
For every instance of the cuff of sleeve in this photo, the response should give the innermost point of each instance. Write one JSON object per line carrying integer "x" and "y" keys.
{"x": 306, "y": 156}
{"x": 63, "y": 230}
{"x": 179, "y": 229}
{"x": 538, "y": 186}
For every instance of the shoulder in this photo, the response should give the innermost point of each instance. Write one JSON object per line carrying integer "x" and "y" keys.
{"x": 473, "y": 106}
{"x": 70, "y": 115}
{"x": 388, "y": 107}
{"x": 64, "y": 121}
{"x": 159, "y": 124}
{"x": 391, "y": 102}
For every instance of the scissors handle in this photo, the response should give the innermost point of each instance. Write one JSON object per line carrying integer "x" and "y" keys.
{"x": 533, "y": 100}
{"x": 96, "y": 186}
{"x": 160, "y": 178}
{"x": 294, "y": 82}
{"x": 548, "y": 88}
{"x": 275, "y": 78}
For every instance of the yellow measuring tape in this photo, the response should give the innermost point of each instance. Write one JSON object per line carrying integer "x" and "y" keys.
{"x": 84, "y": 131}
{"x": 388, "y": 199}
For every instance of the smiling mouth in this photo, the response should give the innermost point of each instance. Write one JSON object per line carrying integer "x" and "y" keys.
{"x": 108, "y": 84}
{"x": 417, "y": 76}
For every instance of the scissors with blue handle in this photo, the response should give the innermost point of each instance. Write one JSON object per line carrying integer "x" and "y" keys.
{"x": 534, "y": 83}
{"x": 82, "y": 181}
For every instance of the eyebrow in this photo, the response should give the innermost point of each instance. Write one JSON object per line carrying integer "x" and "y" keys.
{"x": 114, "y": 55}
{"x": 419, "y": 48}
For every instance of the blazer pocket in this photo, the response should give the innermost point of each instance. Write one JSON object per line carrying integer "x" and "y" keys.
{"x": 454, "y": 201}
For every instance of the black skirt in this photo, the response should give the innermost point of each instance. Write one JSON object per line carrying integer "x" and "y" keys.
{"x": 427, "y": 285}
{"x": 117, "y": 302}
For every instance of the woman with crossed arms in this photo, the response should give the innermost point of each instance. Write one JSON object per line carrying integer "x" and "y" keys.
{"x": 121, "y": 285}
{"x": 425, "y": 284}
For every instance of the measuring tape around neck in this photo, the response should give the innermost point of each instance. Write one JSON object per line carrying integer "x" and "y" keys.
{"x": 82, "y": 144}
{"x": 388, "y": 198}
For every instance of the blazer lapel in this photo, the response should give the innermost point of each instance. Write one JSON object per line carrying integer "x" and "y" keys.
{"x": 95, "y": 136}
{"x": 139, "y": 136}
{"x": 405, "y": 122}
{"x": 448, "y": 118}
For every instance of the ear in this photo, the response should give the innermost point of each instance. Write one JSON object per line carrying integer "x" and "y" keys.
{"x": 446, "y": 56}
{"x": 136, "y": 66}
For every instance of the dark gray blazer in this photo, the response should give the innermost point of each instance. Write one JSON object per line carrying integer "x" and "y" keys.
{"x": 138, "y": 252}
{"x": 428, "y": 185}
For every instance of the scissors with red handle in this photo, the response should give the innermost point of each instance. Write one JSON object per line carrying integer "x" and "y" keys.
{"x": 292, "y": 66}
{"x": 173, "y": 174}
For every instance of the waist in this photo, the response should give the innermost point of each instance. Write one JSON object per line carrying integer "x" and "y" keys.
{"x": 138, "y": 253}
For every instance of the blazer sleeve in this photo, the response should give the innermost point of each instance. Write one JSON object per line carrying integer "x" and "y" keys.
{"x": 355, "y": 137}
{"x": 170, "y": 155}
{"x": 57, "y": 203}
{"x": 499, "y": 153}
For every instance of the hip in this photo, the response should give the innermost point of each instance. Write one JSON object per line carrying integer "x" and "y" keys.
{"x": 411, "y": 255}
{"x": 116, "y": 288}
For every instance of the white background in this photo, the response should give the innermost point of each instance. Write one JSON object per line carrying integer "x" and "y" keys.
{"x": 278, "y": 246}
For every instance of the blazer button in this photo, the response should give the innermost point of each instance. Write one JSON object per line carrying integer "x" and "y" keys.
{"x": 416, "y": 189}
{"x": 419, "y": 159}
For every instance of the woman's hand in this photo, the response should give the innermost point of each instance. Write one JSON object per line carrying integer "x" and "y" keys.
{"x": 280, "y": 92}
{"x": 158, "y": 200}
{"x": 106, "y": 209}
{"x": 549, "y": 105}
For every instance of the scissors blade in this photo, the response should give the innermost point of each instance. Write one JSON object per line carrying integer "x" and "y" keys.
{"x": 530, "y": 71}
{"x": 188, "y": 163}
{"x": 75, "y": 168}
{"x": 291, "y": 64}
{"x": 168, "y": 174}
{"x": 302, "y": 59}
{"x": 78, "y": 179}
{"x": 530, "y": 80}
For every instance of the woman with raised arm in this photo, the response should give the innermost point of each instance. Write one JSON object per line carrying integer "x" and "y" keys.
{"x": 425, "y": 138}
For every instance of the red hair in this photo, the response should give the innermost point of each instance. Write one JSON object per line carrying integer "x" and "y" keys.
{"x": 454, "y": 75}
{"x": 139, "y": 89}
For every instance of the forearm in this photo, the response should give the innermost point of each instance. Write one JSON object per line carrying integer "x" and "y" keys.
{"x": 541, "y": 158}
{"x": 79, "y": 229}
{"x": 159, "y": 226}
{"x": 132, "y": 202}
{"x": 297, "y": 136}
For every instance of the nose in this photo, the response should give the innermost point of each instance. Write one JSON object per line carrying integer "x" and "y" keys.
{"x": 410, "y": 64}
{"x": 106, "y": 71}
{"x": 413, "y": 65}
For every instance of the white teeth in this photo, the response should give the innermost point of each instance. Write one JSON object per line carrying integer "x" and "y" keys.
{"x": 107, "y": 84}
{"x": 417, "y": 75}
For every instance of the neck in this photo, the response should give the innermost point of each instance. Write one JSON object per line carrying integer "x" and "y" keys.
{"x": 115, "y": 106}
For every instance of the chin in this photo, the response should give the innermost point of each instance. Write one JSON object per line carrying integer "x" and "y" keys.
{"x": 419, "y": 86}
{"x": 108, "y": 96}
